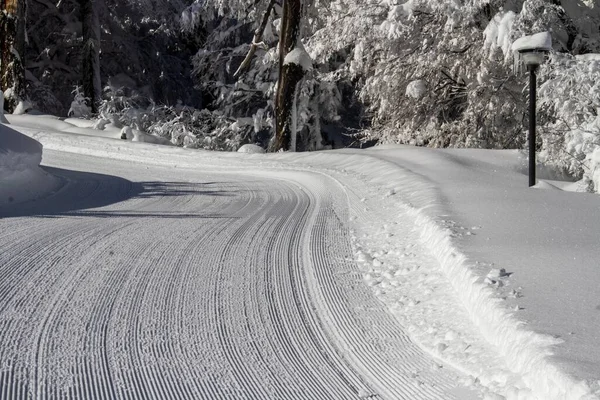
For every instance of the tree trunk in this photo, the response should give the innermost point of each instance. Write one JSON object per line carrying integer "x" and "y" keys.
{"x": 92, "y": 87}
{"x": 12, "y": 46}
{"x": 290, "y": 75}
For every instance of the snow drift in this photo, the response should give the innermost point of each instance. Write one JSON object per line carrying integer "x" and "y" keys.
{"x": 2, "y": 117}
{"x": 21, "y": 177}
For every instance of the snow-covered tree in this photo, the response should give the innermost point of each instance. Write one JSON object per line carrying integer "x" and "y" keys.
{"x": 236, "y": 73}
{"x": 239, "y": 65}
{"x": 294, "y": 62}
{"x": 12, "y": 43}
{"x": 456, "y": 54}
{"x": 569, "y": 102}
{"x": 80, "y": 105}
{"x": 142, "y": 47}
{"x": 427, "y": 72}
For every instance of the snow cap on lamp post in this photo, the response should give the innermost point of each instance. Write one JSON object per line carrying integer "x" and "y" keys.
{"x": 532, "y": 49}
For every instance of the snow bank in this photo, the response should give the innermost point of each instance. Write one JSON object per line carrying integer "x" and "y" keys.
{"x": 3, "y": 119}
{"x": 21, "y": 177}
{"x": 80, "y": 122}
{"x": 22, "y": 107}
{"x": 29, "y": 150}
{"x": 525, "y": 352}
{"x": 135, "y": 135}
{"x": 251, "y": 148}
{"x": 100, "y": 128}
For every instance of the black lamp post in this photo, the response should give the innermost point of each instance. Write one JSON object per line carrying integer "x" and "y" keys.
{"x": 532, "y": 58}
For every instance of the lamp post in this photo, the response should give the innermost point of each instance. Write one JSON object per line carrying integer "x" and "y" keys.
{"x": 532, "y": 51}
{"x": 532, "y": 59}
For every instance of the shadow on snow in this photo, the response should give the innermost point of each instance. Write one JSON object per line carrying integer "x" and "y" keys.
{"x": 83, "y": 193}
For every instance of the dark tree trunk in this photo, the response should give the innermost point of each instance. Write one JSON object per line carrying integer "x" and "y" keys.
{"x": 90, "y": 69}
{"x": 12, "y": 46}
{"x": 290, "y": 75}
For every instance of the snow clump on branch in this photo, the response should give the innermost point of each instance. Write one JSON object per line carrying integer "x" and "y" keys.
{"x": 299, "y": 56}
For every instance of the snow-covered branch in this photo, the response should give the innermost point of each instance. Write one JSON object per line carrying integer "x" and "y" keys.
{"x": 256, "y": 41}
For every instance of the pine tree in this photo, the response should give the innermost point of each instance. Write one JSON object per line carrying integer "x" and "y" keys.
{"x": 12, "y": 43}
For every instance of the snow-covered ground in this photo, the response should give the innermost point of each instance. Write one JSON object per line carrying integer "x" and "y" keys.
{"x": 547, "y": 240}
{"x": 395, "y": 272}
{"x": 99, "y": 128}
{"x": 522, "y": 261}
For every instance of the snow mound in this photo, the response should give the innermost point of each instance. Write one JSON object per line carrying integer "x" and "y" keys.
{"x": 139, "y": 136}
{"x": 135, "y": 135}
{"x": 416, "y": 89}
{"x": 22, "y": 178}
{"x": 17, "y": 151}
{"x": 3, "y": 119}
{"x": 251, "y": 148}
{"x": 80, "y": 122}
{"x": 22, "y": 107}
{"x": 100, "y": 127}
{"x": 545, "y": 185}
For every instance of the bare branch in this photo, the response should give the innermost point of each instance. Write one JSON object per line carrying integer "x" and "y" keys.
{"x": 463, "y": 50}
{"x": 256, "y": 42}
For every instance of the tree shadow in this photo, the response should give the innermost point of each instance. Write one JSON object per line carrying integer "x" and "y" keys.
{"x": 84, "y": 193}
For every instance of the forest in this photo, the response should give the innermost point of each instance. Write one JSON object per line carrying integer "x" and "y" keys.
{"x": 300, "y": 75}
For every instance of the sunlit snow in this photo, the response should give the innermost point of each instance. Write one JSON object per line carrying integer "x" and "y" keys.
{"x": 446, "y": 249}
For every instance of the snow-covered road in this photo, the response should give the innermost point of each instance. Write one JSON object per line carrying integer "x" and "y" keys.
{"x": 154, "y": 282}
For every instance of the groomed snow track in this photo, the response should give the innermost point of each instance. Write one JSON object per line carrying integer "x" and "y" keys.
{"x": 134, "y": 284}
